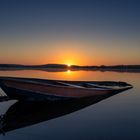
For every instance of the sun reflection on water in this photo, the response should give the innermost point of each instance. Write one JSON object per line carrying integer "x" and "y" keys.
{"x": 68, "y": 71}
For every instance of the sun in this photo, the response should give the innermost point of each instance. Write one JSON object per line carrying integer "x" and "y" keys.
{"x": 69, "y": 65}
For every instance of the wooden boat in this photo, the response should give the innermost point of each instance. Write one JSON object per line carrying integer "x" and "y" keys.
{"x": 40, "y": 89}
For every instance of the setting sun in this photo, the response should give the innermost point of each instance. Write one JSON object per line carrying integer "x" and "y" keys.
{"x": 69, "y": 65}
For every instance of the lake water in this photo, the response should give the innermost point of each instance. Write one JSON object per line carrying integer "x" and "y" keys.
{"x": 113, "y": 118}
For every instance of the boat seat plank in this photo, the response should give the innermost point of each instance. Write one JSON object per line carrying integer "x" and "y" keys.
{"x": 99, "y": 86}
{"x": 68, "y": 84}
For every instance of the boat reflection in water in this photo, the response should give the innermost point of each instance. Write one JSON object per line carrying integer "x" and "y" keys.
{"x": 23, "y": 114}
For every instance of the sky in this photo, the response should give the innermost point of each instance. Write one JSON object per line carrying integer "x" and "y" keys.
{"x": 82, "y": 32}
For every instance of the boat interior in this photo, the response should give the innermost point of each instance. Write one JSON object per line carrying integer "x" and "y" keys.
{"x": 76, "y": 84}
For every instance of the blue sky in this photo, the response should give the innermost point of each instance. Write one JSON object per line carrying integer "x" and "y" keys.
{"x": 77, "y": 16}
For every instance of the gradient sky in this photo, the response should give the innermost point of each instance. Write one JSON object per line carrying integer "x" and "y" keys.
{"x": 83, "y": 32}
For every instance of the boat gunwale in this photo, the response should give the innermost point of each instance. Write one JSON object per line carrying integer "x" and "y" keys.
{"x": 53, "y": 80}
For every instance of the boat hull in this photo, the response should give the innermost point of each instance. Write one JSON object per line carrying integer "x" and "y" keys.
{"x": 25, "y": 95}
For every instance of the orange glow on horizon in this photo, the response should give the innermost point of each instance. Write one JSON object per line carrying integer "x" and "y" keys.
{"x": 67, "y": 51}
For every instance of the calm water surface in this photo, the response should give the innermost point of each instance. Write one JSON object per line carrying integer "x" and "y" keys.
{"x": 114, "y": 118}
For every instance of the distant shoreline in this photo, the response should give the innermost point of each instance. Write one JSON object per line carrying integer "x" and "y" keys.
{"x": 63, "y": 67}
